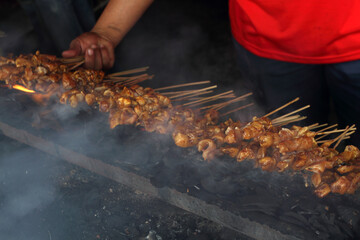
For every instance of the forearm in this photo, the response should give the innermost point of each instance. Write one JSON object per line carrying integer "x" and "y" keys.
{"x": 118, "y": 17}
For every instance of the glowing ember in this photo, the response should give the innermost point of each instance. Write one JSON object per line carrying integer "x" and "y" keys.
{"x": 21, "y": 88}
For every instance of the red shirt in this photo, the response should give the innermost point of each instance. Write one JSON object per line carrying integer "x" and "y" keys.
{"x": 302, "y": 31}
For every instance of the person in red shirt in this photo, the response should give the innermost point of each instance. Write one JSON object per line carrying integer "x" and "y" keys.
{"x": 306, "y": 49}
{"x": 286, "y": 49}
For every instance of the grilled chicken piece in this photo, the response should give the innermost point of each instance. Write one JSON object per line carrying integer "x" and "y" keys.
{"x": 322, "y": 190}
{"x": 208, "y": 148}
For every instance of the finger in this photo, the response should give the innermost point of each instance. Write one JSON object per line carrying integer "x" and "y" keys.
{"x": 74, "y": 49}
{"x": 69, "y": 53}
{"x": 89, "y": 58}
{"x": 105, "y": 57}
{"x": 75, "y": 45}
{"x": 98, "y": 63}
{"x": 110, "y": 50}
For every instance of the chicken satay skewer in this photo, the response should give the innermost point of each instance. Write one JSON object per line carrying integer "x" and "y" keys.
{"x": 288, "y": 120}
{"x": 181, "y": 85}
{"x": 194, "y": 91}
{"x": 291, "y": 121}
{"x": 71, "y": 60}
{"x": 194, "y": 98}
{"x": 207, "y": 99}
{"x": 137, "y": 79}
{"x": 316, "y": 125}
{"x": 344, "y": 135}
{"x": 227, "y": 103}
{"x": 336, "y": 131}
{"x": 282, "y": 107}
{"x": 77, "y": 65}
{"x": 324, "y": 129}
{"x": 313, "y": 126}
{"x": 236, "y": 109}
{"x": 135, "y": 70}
{"x": 191, "y": 96}
{"x": 291, "y": 113}
{"x": 330, "y": 142}
{"x": 325, "y": 134}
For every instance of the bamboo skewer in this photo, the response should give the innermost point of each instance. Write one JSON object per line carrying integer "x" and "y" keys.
{"x": 176, "y": 92}
{"x": 343, "y": 135}
{"x": 284, "y": 106}
{"x": 181, "y": 85}
{"x": 137, "y": 79}
{"x": 291, "y": 121}
{"x": 116, "y": 79}
{"x": 312, "y": 127}
{"x": 180, "y": 92}
{"x": 221, "y": 97}
{"x": 77, "y": 65}
{"x": 285, "y": 119}
{"x": 222, "y": 105}
{"x": 212, "y": 99}
{"x": 192, "y": 92}
{"x": 236, "y": 109}
{"x": 340, "y": 137}
{"x": 204, "y": 100}
{"x": 324, "y": 129}
{"x": 192, "y": 95}
{"x": 334, "y": 131}
{"x": 291, "y": 113}
{"x": 323, "y": 136}
{"x": 213, "y": 106}
{"x": 71, "y": 60}
{"x": 136, "y": 70}
{"x": 324, "y": 141}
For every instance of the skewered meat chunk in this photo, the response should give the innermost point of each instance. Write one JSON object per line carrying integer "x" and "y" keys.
{"x": 7, "y": 71}
{"x": 266, "y": 140}
{"x": 318, "y": 167}
{"x": 90, "y": 99}
{"x": 230, "y": 135}
{"x": 66, "y": 95}
{"x": 212, "y": 117}
{"x": 245, "y": 153}
{"x": 322, "y": 190}
{"x": 345, "y": 169}
{"x": 121, "y": 117}
{"x": 355, "y": 182}
{"x": 282, "y": 165}
{"x": 340, "y": 185}
{"x": 231, "y": 151}
{"x": 76, "y": 98}
{"x": 316, "y": 179}
{"x": 67, "y": 81}
{"x": 182, "y": 140}
{"x": 296, "y": 144}
{"x": 255, "y": 128}
{"x": 105, "y": 105}
{"x": 267, "y": 163}
{"x": 208, "y": 148}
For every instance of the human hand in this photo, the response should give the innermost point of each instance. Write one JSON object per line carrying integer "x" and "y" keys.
{"x": 98, "y": 51}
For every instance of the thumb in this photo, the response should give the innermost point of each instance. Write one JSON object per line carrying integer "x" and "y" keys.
{"x": 74, "y": 50}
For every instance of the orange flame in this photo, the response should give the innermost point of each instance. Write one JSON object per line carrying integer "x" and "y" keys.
{"x": 21, "y": 88}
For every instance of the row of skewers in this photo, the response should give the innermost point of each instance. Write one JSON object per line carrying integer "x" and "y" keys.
{"x": 194, "y": 121}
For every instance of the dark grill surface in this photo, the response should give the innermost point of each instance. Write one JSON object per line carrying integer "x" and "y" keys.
{"x": 279, "y": 201}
